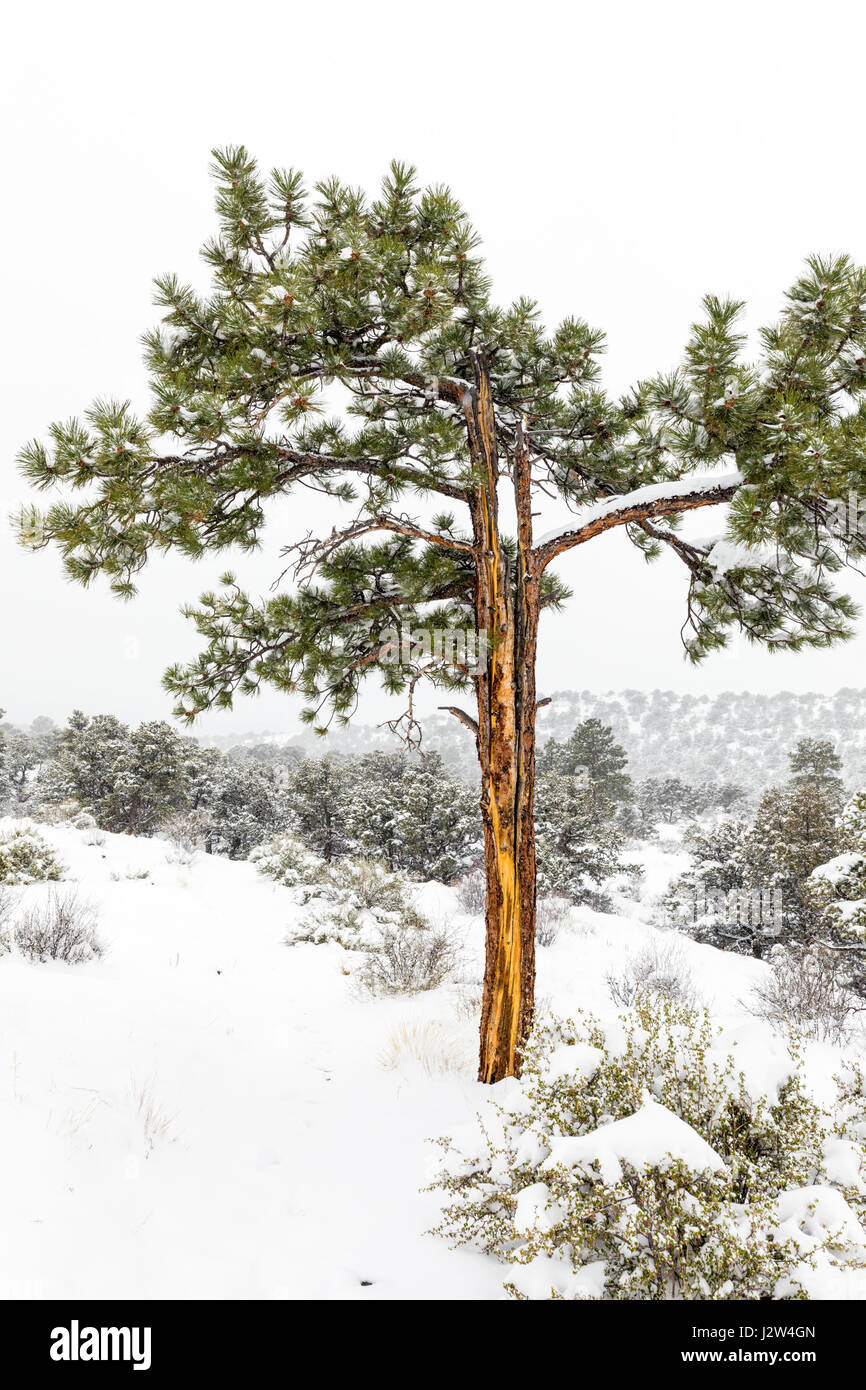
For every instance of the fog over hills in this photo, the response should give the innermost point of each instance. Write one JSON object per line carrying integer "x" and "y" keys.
{"x": 733, "y": 736}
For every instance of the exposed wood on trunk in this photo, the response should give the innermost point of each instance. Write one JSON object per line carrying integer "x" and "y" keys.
{"x": 526, "y": 617}
{"x": 507, "y": 608}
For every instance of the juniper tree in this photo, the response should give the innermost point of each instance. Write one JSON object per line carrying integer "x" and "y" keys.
{"x": 237, "y": 803}
{"x": 794, "y": 830}
{"x": 25, "y": 754}
{"x": 85, "y": 766}
{"x": 450, "y": 409}
{"x": 668, "y": 799}
{"x": 317, "y": 792}
{"x": 151, "y": 779}
{"x": 578, "y": 841}
{"x": 128, "y": 780}
{"x": 412, "y": 814}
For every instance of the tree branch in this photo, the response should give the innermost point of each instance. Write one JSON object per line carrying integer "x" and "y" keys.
{"x": 464, "y": 718}
{"x": 311, "y": 552}
{"x": 658, "y": 499}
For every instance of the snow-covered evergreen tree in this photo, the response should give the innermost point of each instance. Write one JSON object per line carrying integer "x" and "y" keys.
{"x": 747, "y": 887}
{"x": 411, "y": 813}
{"x": 316, "y": 797}
{"x": 794, "y": 830}
{"x": 591, "y": 750}
{"x": 85, "y": 768}
{"x": 837, "y": 890}
{"x": 150, "y": 779}
{"x": 578, "y": 840}
{"x": 129, "y": 781}
{"x": 240, "y": 805}
{"x": 704, "y": 900}
{"x": 5, "y": 786}
{"x": 667, "y": 799}
{"x": 815, "y": 761}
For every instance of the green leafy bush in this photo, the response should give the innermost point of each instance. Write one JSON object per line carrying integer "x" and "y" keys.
{"x": 355, "y": 903}
{"x": 286, "y": 861}
{"x": 634, "y": 1163}
{"x": 26, "y": 858}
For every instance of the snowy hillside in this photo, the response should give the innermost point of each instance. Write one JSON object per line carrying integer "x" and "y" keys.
{"x": 695, "y": 737}
{"x": 206, "y": 1112}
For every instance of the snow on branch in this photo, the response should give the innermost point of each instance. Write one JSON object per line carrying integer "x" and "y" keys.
{"x": 656, "y": 499}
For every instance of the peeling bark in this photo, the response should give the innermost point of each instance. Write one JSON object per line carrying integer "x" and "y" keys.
{"x": 507, "y": 607}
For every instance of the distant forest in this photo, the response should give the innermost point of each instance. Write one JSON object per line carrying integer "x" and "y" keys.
{"x": 732, "y": 737}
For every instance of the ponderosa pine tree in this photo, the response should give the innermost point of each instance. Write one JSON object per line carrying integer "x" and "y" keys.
{"x": 815, "y": 761}
{"x": 451, "y": 409}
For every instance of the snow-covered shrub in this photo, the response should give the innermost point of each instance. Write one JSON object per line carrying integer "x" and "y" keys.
{"x": 850, "y": 1114}
{"x": 367, "y": 884}
{"x": 808, "y": 992}
{"x": 185, "y": 833}
{"x": 657, "y": 969}
{"x": 634, "y": 1163}
{"x": 287, "y": 861}
{"x": 468, "y": 999}
{"x": 8, "y": 903}
{"x": 845, "y": 1149}
{"x": 63, "y": 928}
{"x": 627, "y": 882}
{"x": 56, "y": 813}
{"x": 84, "y": 821}
{"x": 354, "y": 903}
{"x": 26, "y": 858}
{"x": 472, "y": 892}
{"x": 409, "y": 959}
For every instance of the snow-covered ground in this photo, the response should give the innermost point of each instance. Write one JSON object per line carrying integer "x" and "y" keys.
{"x": 206, "y": 1112}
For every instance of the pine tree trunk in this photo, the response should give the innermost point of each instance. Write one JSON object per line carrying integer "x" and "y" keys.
{"x": 507, "y": 608}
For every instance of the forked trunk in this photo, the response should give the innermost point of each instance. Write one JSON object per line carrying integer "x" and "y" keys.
{"x": 507, "y": 607}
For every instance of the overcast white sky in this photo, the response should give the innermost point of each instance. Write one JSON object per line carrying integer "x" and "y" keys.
{"x": 619, "y": 159}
